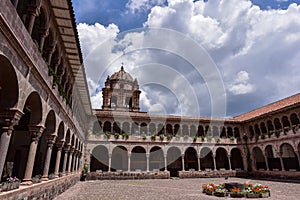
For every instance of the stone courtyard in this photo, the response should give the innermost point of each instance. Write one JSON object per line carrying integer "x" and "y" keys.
{"x": 155, "y": 189}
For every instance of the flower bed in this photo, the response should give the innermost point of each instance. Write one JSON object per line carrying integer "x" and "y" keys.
{"x": 10, "y": 184}
{"x": 249, "y": 191}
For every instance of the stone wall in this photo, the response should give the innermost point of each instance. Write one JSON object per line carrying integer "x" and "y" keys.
{"x": 210, "y": 174}
{"x": 45, "y": 190}
{"x": 127, "y": 175}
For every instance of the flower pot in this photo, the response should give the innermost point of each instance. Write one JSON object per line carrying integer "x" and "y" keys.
{"x": 264, "y": 195}
{"x": 251, "y": 195}
{"x": 237, "y": 195}
{"x": 209, "y": 192}
{"x": 5, "y": 187}
{"x": 219, "y": 194}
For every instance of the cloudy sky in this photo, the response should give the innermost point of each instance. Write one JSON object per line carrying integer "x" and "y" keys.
{"x": 200, "y": 58}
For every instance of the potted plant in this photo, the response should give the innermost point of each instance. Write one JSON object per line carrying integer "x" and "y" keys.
{"x": 220, "y": 192}
{"x": 210, "y": 188}
{"x": 84, "y": 172}
{"x": 36, "y": 179}
{"x": 169, "y": 137}
{"x": 51, "y": 176}
{"x": 195, "y": 138}
{"x": 125, "y": 136}
{"x": 116, "y": 135}
{"x": 107, "y": 135}
{"x": 144, "y": 137}
{"x": 186, "y": 137}
{"x": 202, "y": 138}
{"x": 236, "y": 193}
{"x": 161, "y": 137}
{"x": 153, "y": 137}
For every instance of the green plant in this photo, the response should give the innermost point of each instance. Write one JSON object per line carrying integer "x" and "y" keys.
{"x": 177, "y": 137}
{"x": 186, "y": 137}
{"x": 161, "y": 137}
{"x": 277, "y": 133}
{"x": 169, "y": 137}
{"x": 232, "y": 138}
{"x": 125, "y": 136}
{"x": 85, "y": 169}
{"x": 144, "y": 137}
{"x": 153, "y": 137}
{"x": 202, "y": 138}
{"x": 116, "y": 135}
{"x": 107, "y": 135}
{"x": 195, "y": 138}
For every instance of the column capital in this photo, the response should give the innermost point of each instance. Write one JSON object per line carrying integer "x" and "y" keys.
{"x": 36, "y": 131}
{"x": 10, "y": 117}
{"x": 67, "y": 147}
{"x": 50, "y": 139}
{"x": 59, "y": 144}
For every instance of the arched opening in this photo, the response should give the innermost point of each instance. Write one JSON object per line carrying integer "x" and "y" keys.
{"x": 113, "y": 102}
{"x": 119, "y": 159}
{"x": 99, "y": 159}
{"x": 138, "y": 159}
{"x": 40, "y": 156}
{"x": 192, "y": 130}
{"x": 259, "y": 159}
{"x": 229, "y": 132}
{"x": 48, "y": 45}
{"x": 97, "y": 127}
{"x": 116, "y": 127}
{"x": 152, "y": 129}
{"x": 190, "y": 159}
{"x": 270, "y": 126}
{"x": 174, "y": 161}
{"x": 285, "y": 122}
{"x": 107, "y": 127}
{"x": 177, "y": 130}
{"x": 39, "y": 28}
{"x": 236, "y": 132}
{"x": 251, "y": 132}
{"x": 294, "y": 119}
{"x": 257, "y": 130}
{"x": 185, "y": 130}
{"x": 200, "y": 131}
{"x": 236, "y": 159}
{"x": 273, "y": 159}
{"x": 223, "y": 133}
{"x": 216, "y": 131}
{"x": 156, "y": 159}
{"x": 18, "y": 151}
{"x": 207, "y": 131}
{"x": 169, "y": 129}
{"x": 289, "y": 157}
{"x": 59, "y": 143}
{"x": 144, "y": 128}
{"x": 206, "y": 159}
{"x": 160, "y": 129}
{"x": 134, "y": 128}
{"x": 222, "y": 159}
{"x": 125, "y": 128}
{"x": 9, "y": 90}
{"x": 277, "y": 124}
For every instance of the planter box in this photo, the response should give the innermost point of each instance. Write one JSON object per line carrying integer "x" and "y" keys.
{"x": 252, "y": 195}
{"x": 234, "y": 195}
{"x": 264, "y": 195}
{"x": 209, "y": 192}
{"x": 220, "y": 194}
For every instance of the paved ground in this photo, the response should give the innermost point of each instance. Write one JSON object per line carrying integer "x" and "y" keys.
{"x": 168, "y": 189}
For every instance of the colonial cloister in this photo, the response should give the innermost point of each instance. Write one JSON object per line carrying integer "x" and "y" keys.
{"x": 50, "y": 131}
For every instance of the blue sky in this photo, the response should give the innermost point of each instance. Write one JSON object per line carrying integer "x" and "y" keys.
{"x": 251, "y": 46}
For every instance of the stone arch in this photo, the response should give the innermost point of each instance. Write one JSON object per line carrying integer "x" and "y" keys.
{"x": 174, "y": 160}
{"x": 169, "y": 129}
{"x": 160, "y": 129}
{"x": 135, "y": 128}
{"x": 152, "y": 128}
{"x": 223, "y": 132}
{"x": 116, "y": 127}
{"x": 192, "y": 130}
{"x": 68, "y": 137}
{"x": 236, "y": 159}
{"x": 236, "y": 132}
{"x": 119, "y": 158}
{"x": 144, "y": 128}
{"x": 251, "y": 132}
{"x": 289, "y": 158}
{"x": 270, "y": 126}
{"x": 138, "y": 159}
{"x": 177, "y": 130}
{"x": 215, "y": 131}
{"x": 40, "y": 27}
{"x": 257, "y": 130}
{"x": 229, "y": 131}
{"x": 206, "y": 158}
{"x": 277, "y": 124}
{"x": 263, "y": 128}
{"x": 156, "y": 159}
{"x": 33, "y": 105}
{"x": 222, "y": 159}
{"x": 185, "y": 130}
{"x": 190, "y": 159}
{"x": 272, "y": 157}
{"x": 9, "y": 92}
{"x": 259, "y": 158}
{"x": 285, "y": 122}
{"x": 99, "y": 158}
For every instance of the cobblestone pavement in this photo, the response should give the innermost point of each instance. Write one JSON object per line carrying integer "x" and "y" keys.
{"x": 167, "y": 189}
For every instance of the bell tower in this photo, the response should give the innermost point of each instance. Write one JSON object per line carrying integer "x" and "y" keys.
{"x": 121, "y": 92}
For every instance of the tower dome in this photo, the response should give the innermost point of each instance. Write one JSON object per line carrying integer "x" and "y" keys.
{"x": 121, "y": 75}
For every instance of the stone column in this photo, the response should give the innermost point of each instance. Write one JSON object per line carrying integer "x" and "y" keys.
{"x": 59, "y": 146}
{"x": 266, "y": 161}
{"x": 36, "y": 132}
{"x": 44, "y": 34}
{"x": 298, "y": 156}
{"x": 70, "y": 159}
{"x": 199, "y": 162}
{"x": 8, "y": 118}
{"x": 74, "y": 161}
{"x": 49, "y": 51}
{"x": 50, "y": 141}
{"x": 67, "y": 149}
{"x": 253, "y": 162}
{"x": 147, "y": 156}
{"x": 129, "y": 156}
{"x": 214, "y": 159}
{"x": 281, "y": 161}
{"x": 229, "y": 161}
{"x": 166, "y": 164}
{"x": 109, "y": 162}
{"x": 182, "y": 160}
{"x": 5, "y": 139}
{"x": 32, "y": 13}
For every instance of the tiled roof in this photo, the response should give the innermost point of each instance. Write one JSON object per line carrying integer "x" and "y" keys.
{"x": 287, "y": 102}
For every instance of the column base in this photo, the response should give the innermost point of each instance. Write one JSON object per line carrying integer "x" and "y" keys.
{"x": 26, "y": 182}
{"x": 45, "y": 179}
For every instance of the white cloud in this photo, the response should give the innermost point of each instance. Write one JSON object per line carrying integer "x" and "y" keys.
{"x": 241, "y": 38}
{"x": 140, "y": 5}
